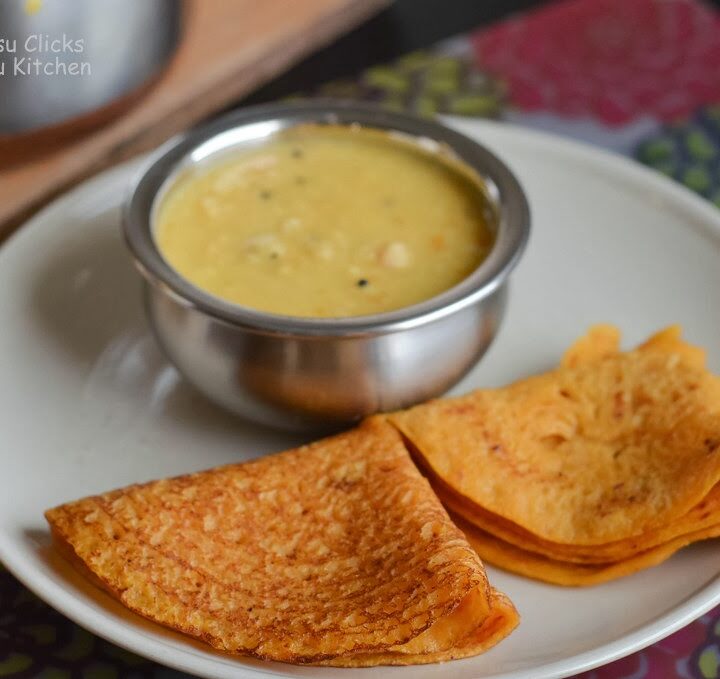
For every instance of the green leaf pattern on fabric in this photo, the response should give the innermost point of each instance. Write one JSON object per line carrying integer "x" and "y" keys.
{"x": 425, "y": 83}
{"x": 689, "y": 152}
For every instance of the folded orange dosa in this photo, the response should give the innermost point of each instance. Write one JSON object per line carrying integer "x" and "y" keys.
{"x": 606, "y": 465}
{"x": 336, "y": 553}
{"x": 570, "y": 574}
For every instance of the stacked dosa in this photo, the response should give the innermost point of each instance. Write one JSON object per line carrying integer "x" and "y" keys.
{"x": 597, "y": 469}
{"x": 335, "y": 553}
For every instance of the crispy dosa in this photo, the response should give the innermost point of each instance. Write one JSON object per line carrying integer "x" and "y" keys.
{"x": 605, "y": 448}
{"x": 517, "y": 560}
{"x": 337, "y": 552}
{"x": 503, "y": 618}
{"x": 704, "y": 515}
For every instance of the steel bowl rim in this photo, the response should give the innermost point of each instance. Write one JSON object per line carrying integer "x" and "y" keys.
{"x": 511, "y": 239}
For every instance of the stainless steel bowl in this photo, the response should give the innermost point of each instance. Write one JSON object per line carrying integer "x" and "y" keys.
{"x": 306, "y": 373}
{"x": 62, "y": 59}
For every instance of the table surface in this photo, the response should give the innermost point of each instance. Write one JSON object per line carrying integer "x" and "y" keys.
{"x": 640, "y": 77}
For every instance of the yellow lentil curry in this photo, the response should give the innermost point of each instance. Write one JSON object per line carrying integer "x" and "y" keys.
{"x": 325, "y": 221}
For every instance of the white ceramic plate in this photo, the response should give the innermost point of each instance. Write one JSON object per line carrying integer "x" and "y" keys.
{"x": 87, "y": 402}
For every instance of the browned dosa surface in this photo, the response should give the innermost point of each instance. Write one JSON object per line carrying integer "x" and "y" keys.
{"x": 337, "y": 552}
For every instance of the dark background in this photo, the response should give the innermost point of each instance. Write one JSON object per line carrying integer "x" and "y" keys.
{"x": 404, "y": 26}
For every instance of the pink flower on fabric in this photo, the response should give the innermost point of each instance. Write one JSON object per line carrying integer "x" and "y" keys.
{"x": 663, "y": 659}
{"x": 610, "y": 59}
